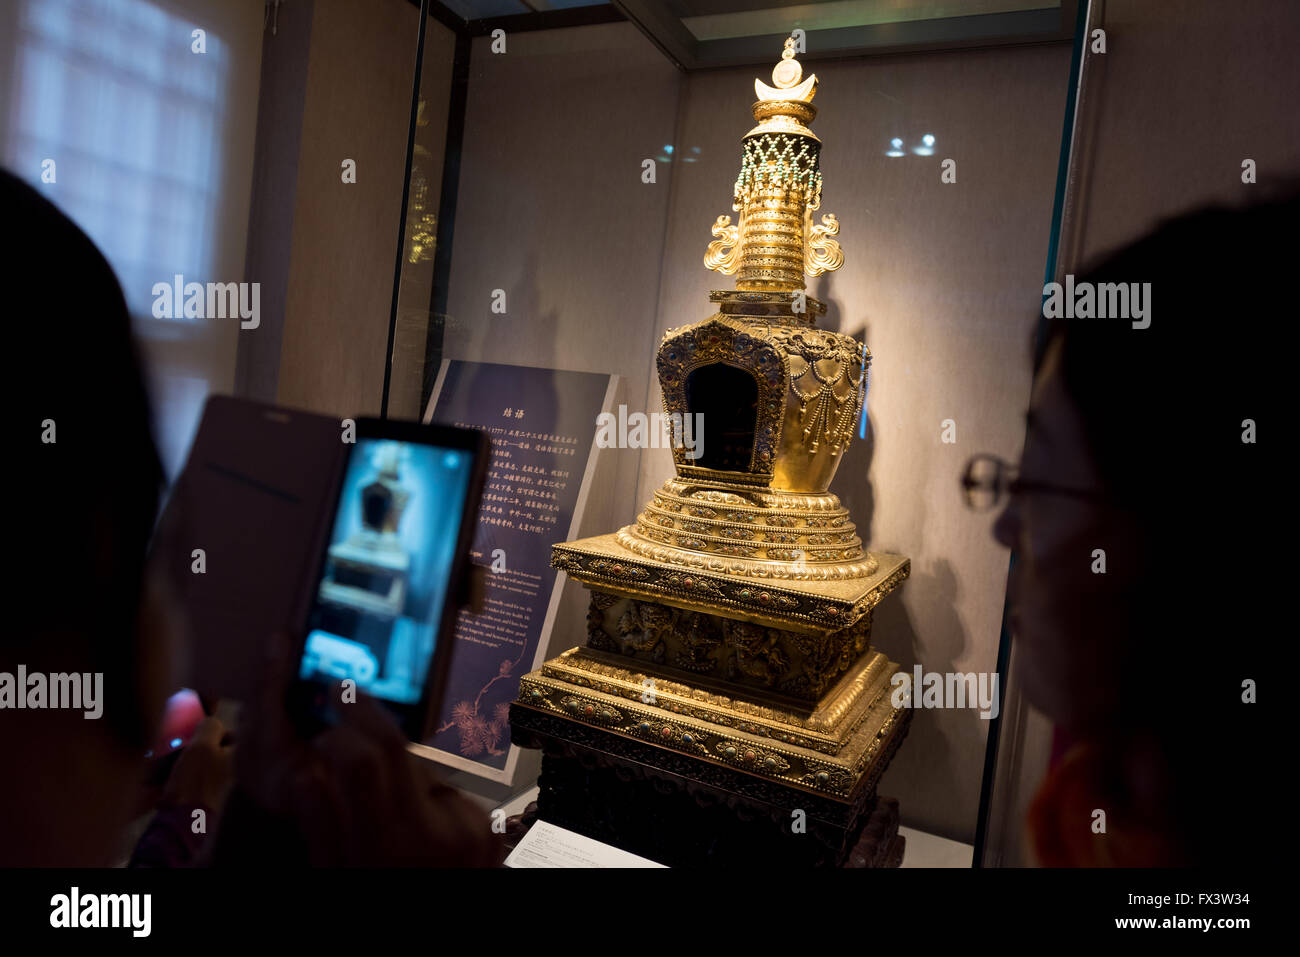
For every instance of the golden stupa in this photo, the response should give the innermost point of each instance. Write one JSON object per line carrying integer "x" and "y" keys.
{"x": 731, "y": 622}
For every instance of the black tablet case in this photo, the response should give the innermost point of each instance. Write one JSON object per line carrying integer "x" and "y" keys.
{"x": 255, "y": 496}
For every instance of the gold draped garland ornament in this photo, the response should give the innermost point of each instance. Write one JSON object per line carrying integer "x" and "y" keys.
{"x": 829, "y": 409}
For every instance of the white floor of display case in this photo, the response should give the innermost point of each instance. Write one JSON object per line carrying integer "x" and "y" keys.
{"x": 923, "y": 850}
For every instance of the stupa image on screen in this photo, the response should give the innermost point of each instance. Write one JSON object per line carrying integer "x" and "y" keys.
{"x": 380, "y": 597}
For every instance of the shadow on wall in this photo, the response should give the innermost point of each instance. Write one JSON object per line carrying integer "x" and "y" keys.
{"x": 527, "y": 291}
{"x": 852, "y": 482}
{"x": 923, "y": 771}
{"x": 477, "y": 338}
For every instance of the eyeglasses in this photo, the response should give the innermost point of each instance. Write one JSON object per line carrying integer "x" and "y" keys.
{"x": 987, "y": 481}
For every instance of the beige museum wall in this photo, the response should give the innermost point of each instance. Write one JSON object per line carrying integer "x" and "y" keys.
{"x": 280, "y": 103}
{"x": 1186, "y": 91}
{"x": 344, "y": 236}
{"x": 945, "y": 281}
{"x": 552, "y": 210}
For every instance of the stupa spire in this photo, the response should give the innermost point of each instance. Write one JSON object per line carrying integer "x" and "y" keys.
{"x": 774, "y": 242}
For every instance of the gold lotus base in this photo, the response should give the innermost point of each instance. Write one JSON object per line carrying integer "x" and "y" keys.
{"x": 837, "y": 749}
{"x": 759, "y": 534}
{"x": 704, "y": 583}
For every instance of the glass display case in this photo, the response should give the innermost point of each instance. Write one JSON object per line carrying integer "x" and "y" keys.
{"x": 879, "y": 237}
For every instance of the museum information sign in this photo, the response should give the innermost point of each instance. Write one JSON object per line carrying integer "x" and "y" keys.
{"x": 542, "y": 424}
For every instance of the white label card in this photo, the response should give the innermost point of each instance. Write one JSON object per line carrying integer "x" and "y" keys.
{"x": 546, "y": 845}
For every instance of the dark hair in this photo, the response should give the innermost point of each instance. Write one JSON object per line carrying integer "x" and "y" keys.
{"x": 89, "y": 498}
{"x": 1164, "y": 411}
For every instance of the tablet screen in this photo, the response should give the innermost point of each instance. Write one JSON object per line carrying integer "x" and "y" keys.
{"x": 379, "y": 600}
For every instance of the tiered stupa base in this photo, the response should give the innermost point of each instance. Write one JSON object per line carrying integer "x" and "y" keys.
{"x": 698, "y": 738}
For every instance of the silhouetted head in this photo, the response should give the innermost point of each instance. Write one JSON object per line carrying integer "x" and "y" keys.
{"x": 1140, "y": 608}
{"x": 89, "y": 481}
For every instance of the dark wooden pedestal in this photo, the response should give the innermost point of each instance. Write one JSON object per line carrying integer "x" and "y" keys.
{"x": 683, "y": 812}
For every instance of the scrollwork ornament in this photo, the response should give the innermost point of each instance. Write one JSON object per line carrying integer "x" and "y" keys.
{"x": 821, "y": 254}
{"x": 723, "y": 254}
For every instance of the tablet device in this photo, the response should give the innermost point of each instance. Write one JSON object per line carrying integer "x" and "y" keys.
{"x": 391, "y": 574}
{"x": 239, "y": 534}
